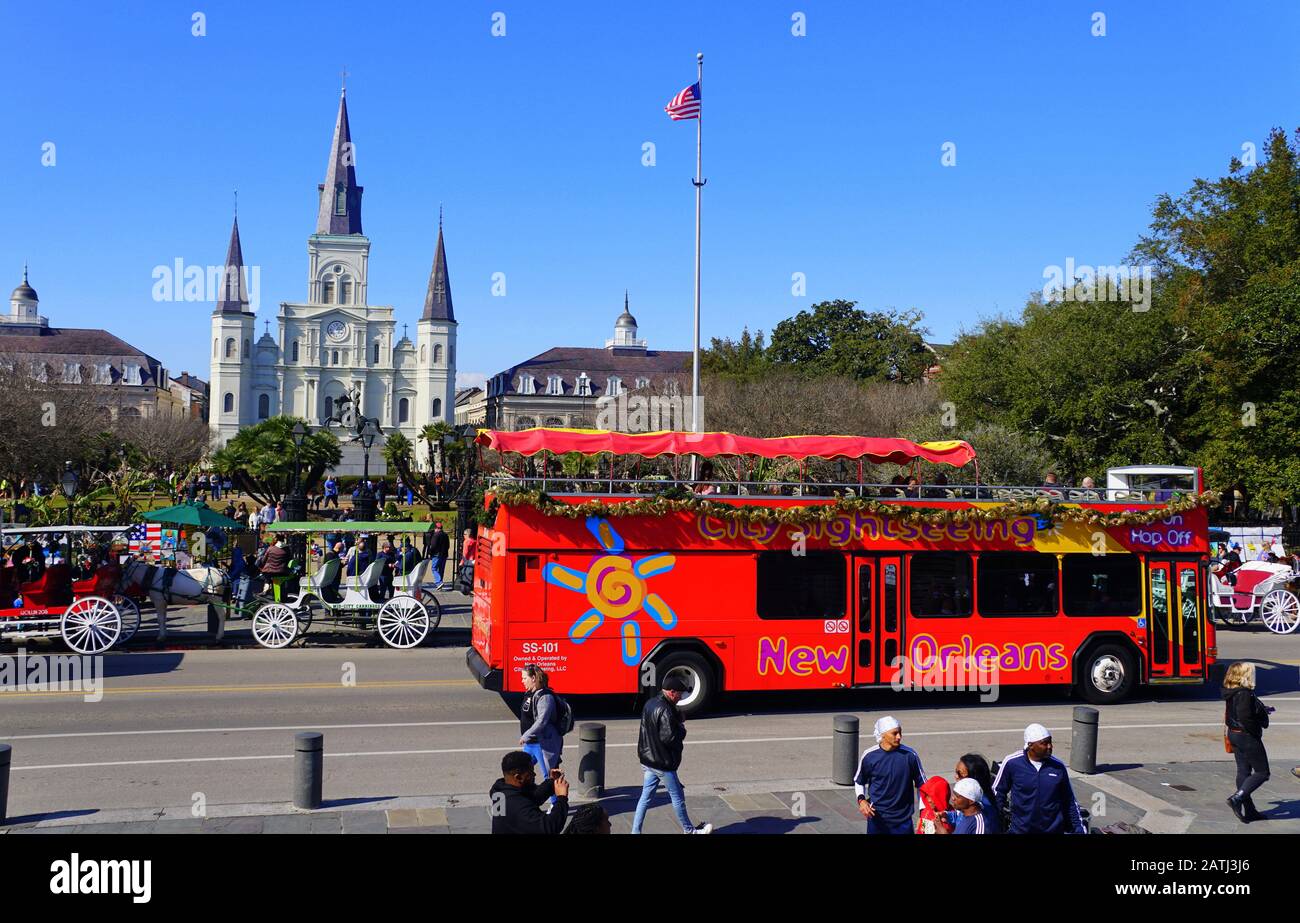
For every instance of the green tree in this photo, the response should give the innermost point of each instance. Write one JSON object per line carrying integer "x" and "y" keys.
{"x": 260, "y": 458}
{"x": 838, "y": 338}
{"x": 744, "y": 359}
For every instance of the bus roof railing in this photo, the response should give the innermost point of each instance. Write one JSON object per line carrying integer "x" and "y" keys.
{"x": 939, "y": 493}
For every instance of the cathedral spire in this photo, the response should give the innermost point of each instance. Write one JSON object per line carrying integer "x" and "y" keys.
{"x": 437, "y": 300}
{"x": 234, "y": 278}
{"x": 340, "y": 196}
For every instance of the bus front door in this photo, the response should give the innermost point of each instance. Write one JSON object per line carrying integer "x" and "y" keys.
{"x": 1175, "y": 620}
{"x": 878, "y": 619}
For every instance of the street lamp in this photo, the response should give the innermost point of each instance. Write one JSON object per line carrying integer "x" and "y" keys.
{"x": 295, "y": 505}
{"x": 69, "y": 483}
{"x": 364, "y": 508}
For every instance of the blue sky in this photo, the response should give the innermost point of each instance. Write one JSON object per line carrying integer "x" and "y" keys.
{"x": 822, "y": 153}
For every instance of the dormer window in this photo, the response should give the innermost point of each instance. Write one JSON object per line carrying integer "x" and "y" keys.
{"x": 554, "y": 385}
{"x": 71, "y": 373}
{"x": 614, "y": 386}
{"x": 584, "y": 385}
{"x": 527, "y": 384}
{"x": 642, "y": 383}
{"x": 104, "y": 373}
{"x": 131, "y": 374}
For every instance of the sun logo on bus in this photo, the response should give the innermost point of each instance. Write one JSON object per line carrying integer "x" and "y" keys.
{"x": 615, "y": 586}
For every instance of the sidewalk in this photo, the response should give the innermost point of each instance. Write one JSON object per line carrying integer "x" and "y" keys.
{"x": 1161, "y": 798}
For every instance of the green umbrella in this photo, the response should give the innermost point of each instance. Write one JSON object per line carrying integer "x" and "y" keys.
{"x": 192, "y": 514}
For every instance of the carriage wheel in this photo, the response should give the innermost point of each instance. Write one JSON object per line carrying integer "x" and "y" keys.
{"x": 275, "y": 625}
{"x": 1280, "y": 611}
{"x": 403, "y": 622}
{"x": 91, "y": 625}
{"x": 130, "y": 612}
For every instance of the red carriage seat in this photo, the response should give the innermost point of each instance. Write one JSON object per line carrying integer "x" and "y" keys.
{"x": 103, "y": 582}
{"x": 53, "y": 588}
{"x": 1247, "y": 580}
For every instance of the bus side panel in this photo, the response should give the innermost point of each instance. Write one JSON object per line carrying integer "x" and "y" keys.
{"x": 488, "y": 624}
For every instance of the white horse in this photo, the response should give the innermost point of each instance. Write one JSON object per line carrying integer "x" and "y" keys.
{"x": 162, "y": 584}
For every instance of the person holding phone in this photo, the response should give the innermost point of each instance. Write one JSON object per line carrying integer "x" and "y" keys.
{"x": 515, "y": 799}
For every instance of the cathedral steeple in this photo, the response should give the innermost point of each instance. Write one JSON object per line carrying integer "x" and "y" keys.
{"x": 234, "y": 278}
{"x": 340, "y": 196}
{"x": 437, "y": 300}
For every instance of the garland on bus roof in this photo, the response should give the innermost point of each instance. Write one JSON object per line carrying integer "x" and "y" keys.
{"x": 1054, "y": 512}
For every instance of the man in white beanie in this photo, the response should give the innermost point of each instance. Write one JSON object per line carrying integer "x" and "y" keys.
{"x": 1033, "y": 789}
{"x": 887, "y": 780}
{"x": 967, "y": 815}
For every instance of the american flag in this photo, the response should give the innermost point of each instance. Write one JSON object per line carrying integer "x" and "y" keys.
{"x": 144, "y": 537}
{"x": 685, "y": 105}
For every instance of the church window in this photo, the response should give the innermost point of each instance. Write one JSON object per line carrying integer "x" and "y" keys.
{"x": 404, "y": 410}
{"x": 228, "y": 403}
{"x": 341, "y": 201}
{"x": 437, "y": 354}
{"x": 214, "y": 348}
{"x": 554, "y": 385}
{"x": 295, "y": 350}
{"x": 246, "y": 349}
{"x": 230, "y": 348}
{"x": 263, "y": 406}
{"x": 345, "y": 290}
{"x": 376, "y": 353}
{"x": 421, "y": 354}
{"x": 584, "y": 385}
{"x": 437, "y": 407}
{"x": 327, "y": 290}
{"x": 335, "y": 360}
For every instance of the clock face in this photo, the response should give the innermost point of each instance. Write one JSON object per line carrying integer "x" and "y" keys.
{"x": 337, "y": 330}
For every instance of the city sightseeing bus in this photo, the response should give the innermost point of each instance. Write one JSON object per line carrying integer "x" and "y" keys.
{"x": 610, "y": 585}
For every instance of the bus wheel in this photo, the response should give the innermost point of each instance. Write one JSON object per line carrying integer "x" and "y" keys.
{"x": 1107, "y": 674}
{"x": 695, "y": 671}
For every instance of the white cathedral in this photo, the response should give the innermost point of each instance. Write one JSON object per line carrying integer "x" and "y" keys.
{"x": 334, "y": 342}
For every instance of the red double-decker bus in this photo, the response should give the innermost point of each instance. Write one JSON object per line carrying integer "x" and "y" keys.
{"x": 612, "y": 585}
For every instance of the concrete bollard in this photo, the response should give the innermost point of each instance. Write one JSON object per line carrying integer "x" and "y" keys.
{"x": 6, "y": 756}
{"x": 308, "y": 769}
{"x": 591, "y": 760}
{"x": 844, "y": 749}
{"x": 1083, "y": 740}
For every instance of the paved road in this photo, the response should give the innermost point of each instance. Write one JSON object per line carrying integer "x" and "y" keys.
{"x": 176, "y": 725}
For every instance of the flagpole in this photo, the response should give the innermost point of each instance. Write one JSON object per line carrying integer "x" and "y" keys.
{"x": 699, "y": 187}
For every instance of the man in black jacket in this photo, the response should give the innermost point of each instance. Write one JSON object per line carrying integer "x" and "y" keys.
{"x": 659, "y": 747}
{"x": 516, "y": 799}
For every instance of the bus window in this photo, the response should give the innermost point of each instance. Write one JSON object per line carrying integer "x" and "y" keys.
{"x": 1191, "y": 616}
{"x": 1108, "y": 584}
{"x": 813, "y": 586}
{"x": 939, "y": 584}
{"x": 1017, "y": 583}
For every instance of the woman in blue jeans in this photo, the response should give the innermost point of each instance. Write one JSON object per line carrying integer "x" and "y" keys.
{"x": 538, "y": 735}
{"x": 659, "y": 747}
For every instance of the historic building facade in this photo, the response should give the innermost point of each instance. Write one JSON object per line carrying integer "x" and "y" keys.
{"x": 120, "y": 380}
{"x": 334, "y": 342}
{"x": 575, "y": 386}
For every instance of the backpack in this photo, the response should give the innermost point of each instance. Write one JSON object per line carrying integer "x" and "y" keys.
{"x": 562, "y": 717}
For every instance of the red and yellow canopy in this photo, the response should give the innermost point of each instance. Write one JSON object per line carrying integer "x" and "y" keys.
{"x": 651, "y": 445}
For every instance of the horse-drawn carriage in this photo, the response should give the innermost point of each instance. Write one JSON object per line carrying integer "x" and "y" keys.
{"x": 78, "y": 595}
{"x": 290, "y": 604}
{"x": 1259, "y": 591}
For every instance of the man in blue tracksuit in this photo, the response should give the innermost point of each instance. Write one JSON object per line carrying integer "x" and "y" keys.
{"x": 887, "y": 780}
{"x": 1033, "y": 787}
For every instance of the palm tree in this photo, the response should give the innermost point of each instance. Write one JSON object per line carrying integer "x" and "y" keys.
{"x": 433, "y": 434}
